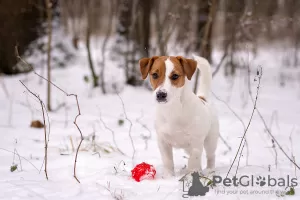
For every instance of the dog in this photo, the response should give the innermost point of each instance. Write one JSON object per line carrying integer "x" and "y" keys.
{"x": 183, "y": 119}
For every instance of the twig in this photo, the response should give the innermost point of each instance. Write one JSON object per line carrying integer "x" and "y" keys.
{"x": 45, "y": 132}
{"x": 145, "y": 138}
{"x": 130, "y": 127}
{"x": 224, "y": 141}
{"x": 81, "y": 136}
{"x": 245, "y": 132}
{"x": 4, "y": 88}
{"x": 225, "y": 54}
{"x": 240, "y": 119}
{"x": 112, "y": 133}
{"x": 113, "y": 194}
{"x": 276, "y": 154}
{"x": 275, "y": 140}
{"x": 292, "y": 147}
{"x": 67, "y": 94}
{"x": 14, "y": 152}
{"x": 266, "y": 127}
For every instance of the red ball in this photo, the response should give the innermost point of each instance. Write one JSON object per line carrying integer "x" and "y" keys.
{"x": 143, "y": 171}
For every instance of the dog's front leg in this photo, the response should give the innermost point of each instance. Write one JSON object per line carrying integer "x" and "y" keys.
{"x": 166, "y": 153}
{"x": 194, "y": 162}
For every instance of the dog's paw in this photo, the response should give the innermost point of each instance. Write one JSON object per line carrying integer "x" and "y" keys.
{"x": 208, "y": 171}
{"x": 168, "y": 174}
{"x": 184, "y": 171}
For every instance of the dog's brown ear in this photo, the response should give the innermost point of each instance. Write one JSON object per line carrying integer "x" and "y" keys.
{"x": 189, "y": 66}
{"x": 145, "y": 65}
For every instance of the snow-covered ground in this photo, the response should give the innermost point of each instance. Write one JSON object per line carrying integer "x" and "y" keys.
{"x": 106, "y": 174}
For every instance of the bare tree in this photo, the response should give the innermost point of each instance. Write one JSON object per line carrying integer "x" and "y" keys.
{"x": 205, "y": 49}
{"x": 49, "y": 22}
{"x": 104, "y": 44}
{"x": 90, "y": 22}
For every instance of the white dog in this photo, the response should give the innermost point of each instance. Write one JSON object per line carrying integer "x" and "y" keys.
{"x": 183, "y": 119}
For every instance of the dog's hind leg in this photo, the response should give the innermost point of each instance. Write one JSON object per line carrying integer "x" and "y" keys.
{"x": 210, "y": 145}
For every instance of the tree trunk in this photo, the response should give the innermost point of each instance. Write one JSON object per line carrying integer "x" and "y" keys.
{"x": 49, "y": 22}
{"x": 205, "y": 48}
{"x": 88, "y": 48}
{"x": 145, "y": 30}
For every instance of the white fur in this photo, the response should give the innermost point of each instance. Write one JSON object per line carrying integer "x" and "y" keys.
{"x": 185, "y": 121}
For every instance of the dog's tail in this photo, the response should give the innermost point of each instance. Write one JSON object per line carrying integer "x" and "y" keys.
{"x": 205, "y": 78}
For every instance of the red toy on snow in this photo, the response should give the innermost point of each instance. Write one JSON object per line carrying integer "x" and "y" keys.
{"x": 143, "y": 171}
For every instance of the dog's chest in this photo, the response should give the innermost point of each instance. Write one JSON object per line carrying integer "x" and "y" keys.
{"x": 175, "y": 132}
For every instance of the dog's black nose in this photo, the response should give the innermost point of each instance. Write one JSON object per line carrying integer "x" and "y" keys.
{"x": 161, "y": 96}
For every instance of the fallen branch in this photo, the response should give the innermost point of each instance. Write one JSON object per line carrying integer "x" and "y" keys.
{"x": 67, "y": 94}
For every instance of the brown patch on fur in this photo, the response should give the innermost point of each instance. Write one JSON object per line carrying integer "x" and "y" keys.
{"x": 189, "y": 66}
{"x": 178, "y": 69}
{"x": 158, "y": 67}
{"x": 182, "y": 67}
{"x": 145, "y": 65}
{"x": 153, "y": 65}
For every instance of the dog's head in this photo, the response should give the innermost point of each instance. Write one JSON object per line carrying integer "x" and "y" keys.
{"x": 167, "y": 75}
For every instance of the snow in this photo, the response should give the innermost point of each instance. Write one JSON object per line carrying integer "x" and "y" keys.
{"x": 103, "y": 174}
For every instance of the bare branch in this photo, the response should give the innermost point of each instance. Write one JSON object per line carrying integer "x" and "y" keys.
{"x": 130, "y": 127}
{"x": 292, "y": 147}
{"x": 45, "y": 132}
{"x": 15, "y": 152}
{"x": 67, "y": 94}
{"x": 224, "y": 141}
{"x": 245, "y": 132}
{"x": 240, "y": 119}
{"x": 113, "y": 193}
{"x": 4, "y": 87}
{"x": 266, "y": 127}
{"x": 145, "y": 138}
{"x": 112, "y": 133}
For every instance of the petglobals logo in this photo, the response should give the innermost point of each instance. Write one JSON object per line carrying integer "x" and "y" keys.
{"x": 246, "y": 181}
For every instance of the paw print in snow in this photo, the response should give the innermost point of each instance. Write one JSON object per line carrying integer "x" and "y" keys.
{"x": 261, "y": 181}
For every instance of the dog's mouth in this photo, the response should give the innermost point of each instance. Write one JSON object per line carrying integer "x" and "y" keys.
{"x": 161, "y": 101}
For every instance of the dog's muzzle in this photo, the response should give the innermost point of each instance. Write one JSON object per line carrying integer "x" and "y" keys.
{"x": 161, "y": 96}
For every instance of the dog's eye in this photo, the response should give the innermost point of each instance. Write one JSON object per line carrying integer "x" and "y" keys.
{"x": 155, "y": 76}
{"x": 174, "y": 76}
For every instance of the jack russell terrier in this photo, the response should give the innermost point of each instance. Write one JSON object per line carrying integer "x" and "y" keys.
{"x": 183, "y": 119}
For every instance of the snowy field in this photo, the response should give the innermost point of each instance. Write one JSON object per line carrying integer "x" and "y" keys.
{"x": 105, "y": 173}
